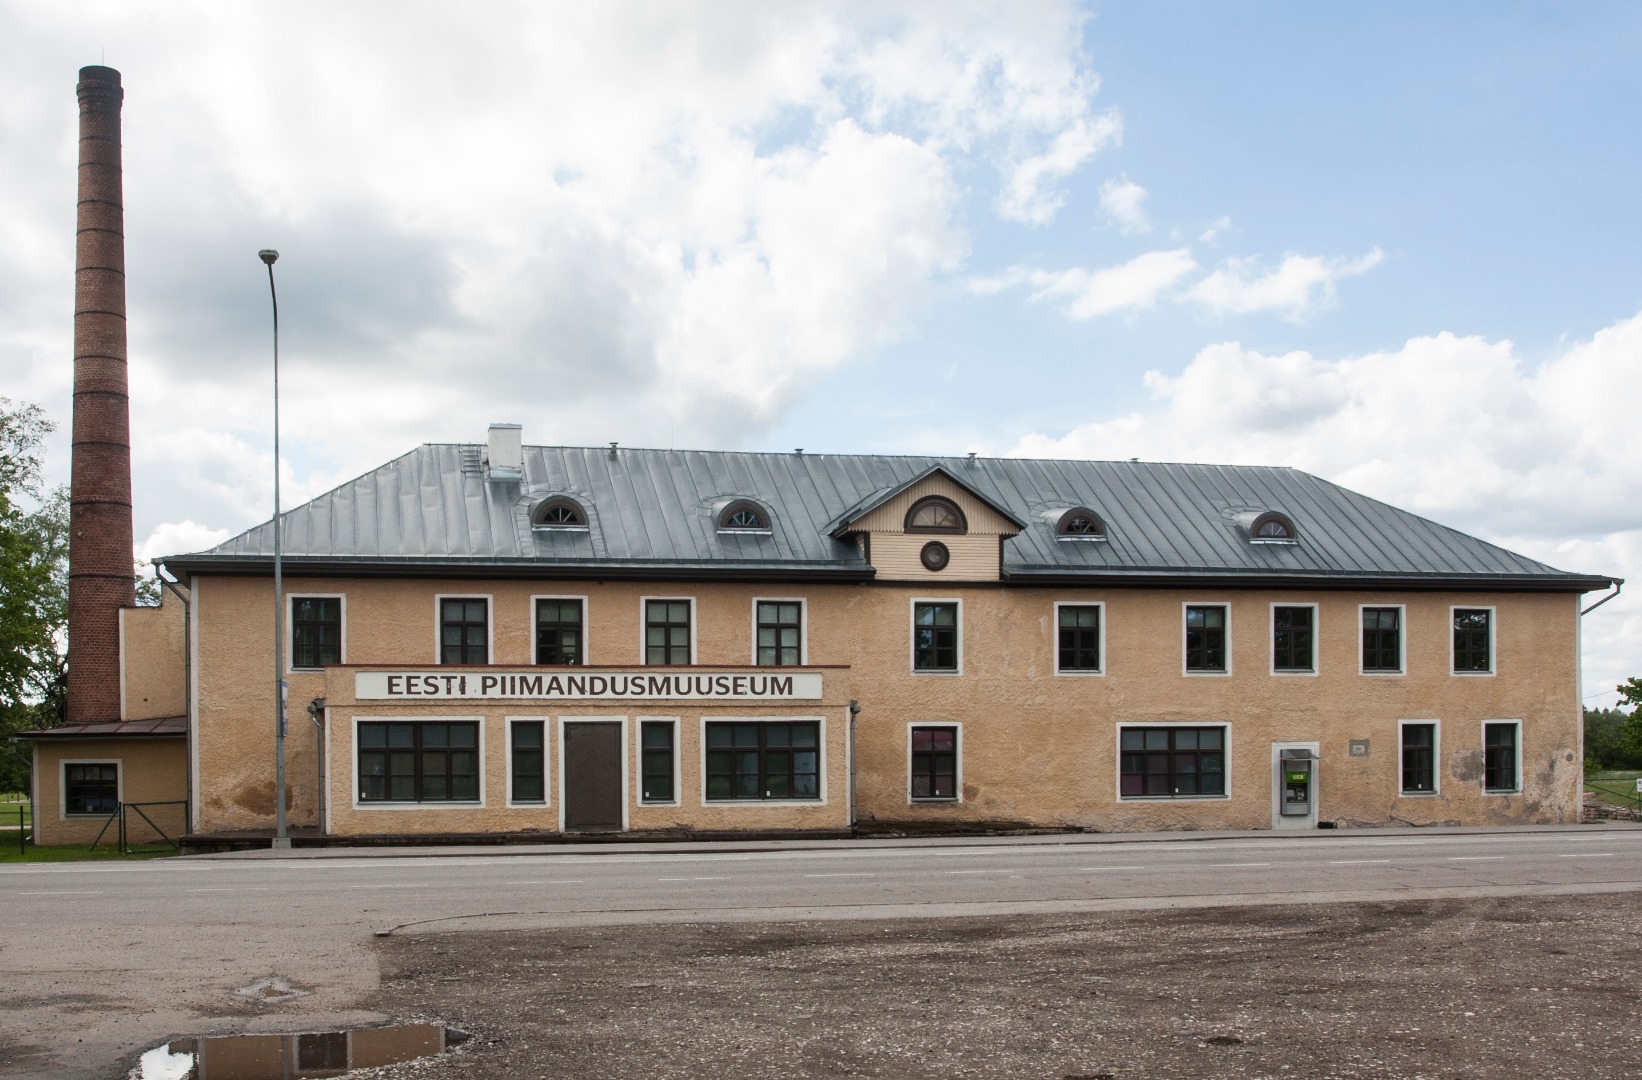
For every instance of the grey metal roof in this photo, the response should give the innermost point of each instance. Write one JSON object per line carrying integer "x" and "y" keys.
{"x": 651, "y": 513}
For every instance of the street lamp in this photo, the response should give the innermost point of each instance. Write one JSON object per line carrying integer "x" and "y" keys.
{"x": 281, "y": 838}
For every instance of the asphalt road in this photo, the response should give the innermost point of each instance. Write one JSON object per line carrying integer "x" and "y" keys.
{"x": 118, "y": 956}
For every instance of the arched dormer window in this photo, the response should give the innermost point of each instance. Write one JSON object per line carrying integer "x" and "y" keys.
{"x": 744, "y": 516}
{"x": 1272, "y": 528}
{"x": 1080, "y": 523}
{"x": 935, "y": 514}
{"x": 559, "y": 513}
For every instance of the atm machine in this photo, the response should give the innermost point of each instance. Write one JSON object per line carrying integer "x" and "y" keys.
{"x": 1296, "y": 787}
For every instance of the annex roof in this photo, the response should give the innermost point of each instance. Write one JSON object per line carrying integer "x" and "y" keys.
{"x": 651, "y": 513}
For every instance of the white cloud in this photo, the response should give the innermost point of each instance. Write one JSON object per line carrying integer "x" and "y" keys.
{"x": 1124, "y": 202}
{"x": 1030, "y": 194}
{"x": 179, "y": 537}
{"x": 1458, "y": 428}
{"x": 650, "y": 223}
{"x": 1301, "y": 285}
{"x": 1087, "y": 294}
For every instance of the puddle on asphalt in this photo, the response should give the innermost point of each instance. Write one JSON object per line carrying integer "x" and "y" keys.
{"x": 293, "y": 1057}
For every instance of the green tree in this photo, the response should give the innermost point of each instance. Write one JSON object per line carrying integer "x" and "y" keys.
{"x": 33, "y": 584}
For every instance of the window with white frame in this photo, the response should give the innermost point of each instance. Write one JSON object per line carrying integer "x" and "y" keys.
{"x": 933, "y": 763}
{"x": 316, "y": 631}
{"x": 91, "y": 788}
{"x": 1473, "y": 641}
{"x": 1418, "y": 766}
{"x": 667, "y": 631}
{"x": 1501, "y": 757}
{"x": 527, "y": 761}
{"x": 1294, "y": 638}
{"x": 1172, "y": 761}
{"x": 1078, "y": 639}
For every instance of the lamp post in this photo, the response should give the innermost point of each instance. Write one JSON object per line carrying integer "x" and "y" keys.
{"x": 282, "y": 839}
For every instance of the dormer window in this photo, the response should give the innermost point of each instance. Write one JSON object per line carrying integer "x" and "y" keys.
{"x": 744, "y": 517}
{"x": 1080, "y": 524}
{"x": 1272, "y": 528}
{"x": 935, "y": 514}
{"x": 559, "y": 514}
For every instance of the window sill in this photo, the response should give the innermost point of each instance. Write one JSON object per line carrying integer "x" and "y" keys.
{"x": 1502, "y": 791}
{"x": 1382, "y": 674}
{"x": 441, "y": 804}
{"x": 1172, "y": 798}
{"x": 1473, "y": 674}
{"x": 763, "y": 802}
{"x": 1294, "y": 671}
{"x": 1198, "y": 673}
{"x": 938, "y": 800}
{"x": 537, "y": 804}
{"x": 936, "y": 671}
{"x": 1418, "y": 794}
{"x": 659, "y": 802}
{"x": 1082, "y": 672}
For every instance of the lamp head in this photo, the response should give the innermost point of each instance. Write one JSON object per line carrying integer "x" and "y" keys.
{"x": 268, "y": 255}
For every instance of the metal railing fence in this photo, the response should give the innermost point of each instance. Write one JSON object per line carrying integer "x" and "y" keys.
{"x": 120, "y": 816}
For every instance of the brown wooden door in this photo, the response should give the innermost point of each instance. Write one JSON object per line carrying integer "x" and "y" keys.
{"x": 592, "y": 777}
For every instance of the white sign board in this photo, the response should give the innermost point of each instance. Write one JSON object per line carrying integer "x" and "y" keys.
{"x": 585, "y": 686}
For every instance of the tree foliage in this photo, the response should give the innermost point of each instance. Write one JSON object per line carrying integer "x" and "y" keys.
{"x": 33, "y": 584}
{"x": 1613, "y": 737}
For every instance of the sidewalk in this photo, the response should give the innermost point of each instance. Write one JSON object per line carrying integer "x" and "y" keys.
{"x": 718, "y": 847}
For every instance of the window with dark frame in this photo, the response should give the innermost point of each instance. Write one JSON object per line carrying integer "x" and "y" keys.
{"x": 935, "y": 637}
{"x": 464, "y": 630}
{"x": 1079, "y": 645}
{"x": 1499, "y": 758}
{"x": 1471, "y": 639}
{"x": 763, "y": 760}
{"x": 1419, "y": 749}
{"x": 559, "y": 632}
{"x": 1172, "y": 762}
{"x": 426, "y": 761}
{"x": 743, "y": 516}
{"x": 560, "y": 514}
{"x": 1206, "y": 638}
{"x": 91, "y": 788}
{"x": 529, "y": 761}
{"x": 1082, "y": 523}
{"x": 316, "y": 631}
{"x": 934, "y": 763}
{"x": 1382, "y": 639}
{"x": 935, "y": 514}
{"x": 780, "y": 632}
{"x": 1292, "y": 638}
{"x": 667, "y": 631}
{"x": 656, "y": 761}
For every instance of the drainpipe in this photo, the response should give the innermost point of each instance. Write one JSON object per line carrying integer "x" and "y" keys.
{"x": 1619, "y": 583}
{"x": 316, "y": 710}
{"x": 855, "y": 710}
{"x": 187, "y": 699}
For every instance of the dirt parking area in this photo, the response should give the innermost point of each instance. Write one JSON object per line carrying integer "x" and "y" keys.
{"x": 1497, "y": 988}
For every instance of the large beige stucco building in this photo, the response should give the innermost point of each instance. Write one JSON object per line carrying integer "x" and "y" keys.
{"x": 502, "y": 639}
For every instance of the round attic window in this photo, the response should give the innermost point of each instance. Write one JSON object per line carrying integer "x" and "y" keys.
{"x": 1272, "y": 527}
{"x": 935, "y": 556}
{"x": 1081, "y": 524}
{"x": 744, "y": 516}
{"x": 935, "y": 514}
{"x": 559, "y": 514}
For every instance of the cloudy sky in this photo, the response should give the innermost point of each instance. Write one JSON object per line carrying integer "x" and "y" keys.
{"x": 1394, "y": 244}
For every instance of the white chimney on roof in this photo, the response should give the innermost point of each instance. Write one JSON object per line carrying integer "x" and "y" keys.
{"x": 506, "y": 459}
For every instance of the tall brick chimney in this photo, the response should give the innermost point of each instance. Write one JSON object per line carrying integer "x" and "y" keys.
{"x": 100, "y": 578}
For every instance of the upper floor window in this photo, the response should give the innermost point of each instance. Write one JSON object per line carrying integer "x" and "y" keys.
{"x": 744, "y": 516}
{"x": 464, "y": 630}
{"x": 1473, "y": 640}
{"x": 1080, "y": 524}
{"x": 1206, "y": 638}
{"x": 935, "y": 636}
{"x": 559, "y": 514}
{"x": 316, "y": 631}
{"x": 1078, "y": 647}
{"x": 559, "y": 632}
{"x": 1272, "y": 527}
{"x": 780, "y": 632}
{"x": 1293, "y": 638}
{"x": 936, "y": 514}
{"x": 1382, "y": 640}
{"x": 667, "y": 631}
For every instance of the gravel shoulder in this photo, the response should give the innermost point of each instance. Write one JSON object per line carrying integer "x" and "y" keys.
{"x": 1544, "y": 987}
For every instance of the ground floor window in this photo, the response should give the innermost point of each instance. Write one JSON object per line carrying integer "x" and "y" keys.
{"x": 1173, "y": 762}
{"x": 656, "y": 764}
{"x": 1500, "y": 757}
{"x": 419, "y": 762}
{"x": 527, "y": 752}
{"x": 763, "y": 760}
{"x": 934, "y": 763}
{"x": 91, "y": 788}
{"x": 1419, "y": 751}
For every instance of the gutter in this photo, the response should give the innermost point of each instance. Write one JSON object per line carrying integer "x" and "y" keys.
{"x": 1619, "y": 583}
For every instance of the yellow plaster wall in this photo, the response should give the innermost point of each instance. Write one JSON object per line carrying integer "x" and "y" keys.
{"x": 1036, "y": 747}
{"x": 152, "y": 643}
{"x": 151, "y": 770}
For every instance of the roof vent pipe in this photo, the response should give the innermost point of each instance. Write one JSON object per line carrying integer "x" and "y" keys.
{"x": 507, "y": 452}
{"x": 612, "y": 451}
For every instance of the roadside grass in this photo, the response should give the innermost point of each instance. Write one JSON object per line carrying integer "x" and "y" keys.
{"x": 66, "y": 852}
{"x": 1614, "y": 788}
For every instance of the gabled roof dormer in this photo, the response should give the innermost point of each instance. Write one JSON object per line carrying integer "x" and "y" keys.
{"x": 934, "y": 527}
